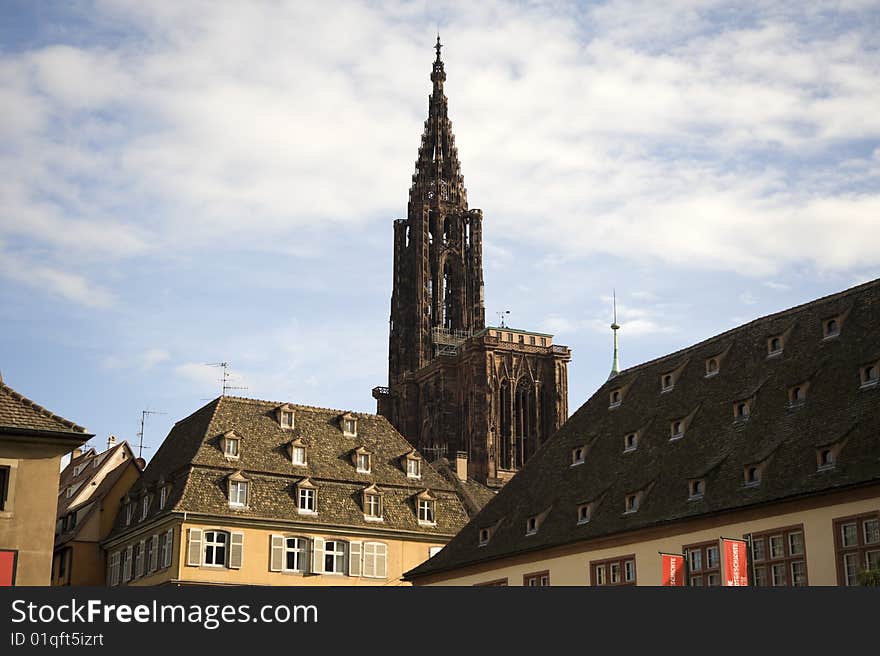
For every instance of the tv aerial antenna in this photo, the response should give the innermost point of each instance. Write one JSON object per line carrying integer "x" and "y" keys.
{"x": 501, "y": 317}
{"x": 140, "y": 434}
{"x": 224, "y": 379}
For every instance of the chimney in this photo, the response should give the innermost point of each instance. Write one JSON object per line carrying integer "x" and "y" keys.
{"x": 461, "y": 462}
{"x": 77, "y": 452}
{"x": 111, "y": 441}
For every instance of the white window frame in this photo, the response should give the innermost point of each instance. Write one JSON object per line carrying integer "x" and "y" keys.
{"x": 232, "y": 447}
{"x": 146, "y": 502}
{"x": 167, "y": 547}
{"x": 413, "y": 468}
{"x": 298, "y": 451}
{"x": 300, "y": 551}
{"x": 373, "y": 505}
{"x": 285, "y": 414}
{"x": 629, "y": 571}
{"x": 163, "y": 497}
{"x": 364, "y": 462}
{"x": 237, "y": 489}
{"x": 338, "y": 555}
{"x": 427, "y": 511}
{"x": 114, "y": 568}
{"x": 216, "y": 545}
{"x": 309, "y": 495}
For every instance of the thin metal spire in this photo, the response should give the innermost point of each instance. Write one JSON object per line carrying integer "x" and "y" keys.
{"x": 615, "y": 365}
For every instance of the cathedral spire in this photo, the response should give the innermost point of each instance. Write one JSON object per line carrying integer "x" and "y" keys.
{"x": 615, "y": 365}
{"x": 437, "y": 179}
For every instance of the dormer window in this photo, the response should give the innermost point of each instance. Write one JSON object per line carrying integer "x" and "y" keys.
{"x": 286, "y": 416}
{"x": 584, "y": 512}
{"x": 798, "y": 394}
{"x": 667, "y": 382}
{"x": 231, "y": 445}
{"x": 373, "y": 503}
{"x": 363, "y": 460}
{"x": 870, "y": 374}
{"x": 615, "y": 398}
{"x": 831, "y": 328}
{"x": 129, "y": 512}
{"x": 413, "y": 465}
{"x": 742, "y": 410}
{"x": 676, "y": 429}
{"x": 349, "y": 425}
{"x": 577, "y": 456}
{"x": 826, "y": 458}
{"x": 630, "y": 442}
{"x": 484, "y": 537}
{"x": 631, "y": 504}
{"x": 163, "y": 495}
{"x": 298, "y": 453}
{"x": 146, "y": 502}
{"x": 238, "y": 490}
{"x": 711, "y": 367}
{"x": 752, "y": 475}
{"x": 696, "y": 488}
{"x": 306, "y": 497}
{"x": 774, "y": 345}
{"x": 426, "y": 505}
{"x": 532, "y": 525}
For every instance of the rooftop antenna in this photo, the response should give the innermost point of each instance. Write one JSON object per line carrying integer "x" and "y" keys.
{"x": 501, "y": 317}
{"x": 224, "y": 380}
{"x": 140, "y": 434}
{"x": 615, "y": 365}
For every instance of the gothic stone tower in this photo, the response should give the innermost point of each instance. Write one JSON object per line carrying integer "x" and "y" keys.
{"x": 454, "y": 384}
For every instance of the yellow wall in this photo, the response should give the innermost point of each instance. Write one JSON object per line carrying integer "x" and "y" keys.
{"x": 403, "y": 555}
{"x": 573, "y": 568}
{"x": 30, "y": 525}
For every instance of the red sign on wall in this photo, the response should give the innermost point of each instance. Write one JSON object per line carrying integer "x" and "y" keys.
{"x": 673, "y": 569}
{"x": 8, "y": 562}
{"x": 734, "y": 562}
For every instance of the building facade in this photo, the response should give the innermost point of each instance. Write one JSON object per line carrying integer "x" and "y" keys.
{"x": 454, "y": 384}
{"x": 32, "y": 442}
{"x": 261, "y": 493}
{"x": 91, "y": 488}
{"x": 769, "y": 432}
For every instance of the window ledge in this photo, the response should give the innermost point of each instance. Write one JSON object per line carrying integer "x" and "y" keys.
{"x": 752, "y": 484}
{"x": 823, "y": 468}
{"x": 413, "y": 477}
{"x": 629, "y": 449}
{"x": 583, "y": 521}
{"x": 424, "y": 523}
{"x": 675, "y": 437}
{"x": 711, "y": 374}
{"x": 7, "y": 514}
{"x": 774, "y": 354}
{"x": 301, "y": 511}
{"x": 614, "y": 405}
{"x": 831, "y": 336}
{"x": 370, "y": 518}
{"x": 575, "y": 464}
{"x": 667, "y": 389}
{"x": 531, "y": 532}
{"x": 630, "y": 512}
{"x": 696, "y": 497}
{"x": 869, "y": 384}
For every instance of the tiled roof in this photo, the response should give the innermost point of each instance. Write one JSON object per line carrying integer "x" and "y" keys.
{"x": 20, "y": 413}
{"x": 781, "y": 436}
{"x": 192, "y": 459}
{"x": 87, "y": 472}
{"x": 473, "y": 494}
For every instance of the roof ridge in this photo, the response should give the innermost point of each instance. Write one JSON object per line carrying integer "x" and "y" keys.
{"x": 766, "y": 318}
{"x": 40, "y": 409}
{"x": 300, "y": 406}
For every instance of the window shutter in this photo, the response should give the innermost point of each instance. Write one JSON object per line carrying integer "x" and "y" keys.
{"x": 370, "y": 559}
{"x": 276, "y": 553}
{"x": 139, "y": 561}
{"x": 318, "y": 556}
{"x": 154, "y": 553}
{"x": 236, "y": 550}
{"x": 354, "y": 559}
{"x": 381, "y": 560}
{"x": 169, "y": 545}
{"x": 194, "y": 548}
{"x": 126, "y": 565}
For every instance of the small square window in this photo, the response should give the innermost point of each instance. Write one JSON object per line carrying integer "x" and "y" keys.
{"x": 774, "y": 346}
{"x": 630, "y": 442}
{"x": 696, "y": 489}
{"x": 632, "y": 503}
{"x": 711, "y": 367}
{"x": 831, "y": 328}
{"x": 577, "y": 456}
{"x": 484, "y": 537}
{"x": 583, "y": 513}
{"x": 742, "y": 410}
{"x": 676, "y": 429}
{"x": 753, "y": 475}
{"x": 615, "y": 398}
{"x": 531, "y": 525}
{"x": 797, "y": 394}
{"x": 870, "y": 375}
{"x": 667, "y": 382}
{"x": 826, "y": 458}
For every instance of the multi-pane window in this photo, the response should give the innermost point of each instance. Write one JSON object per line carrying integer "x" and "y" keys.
{"x": 306, "y": 499}
{"x": 238, "y": 492}
{"x": 857, "y": 546}
{"x": 114, "y": 568}
{"x": 231, "y": 447}
{"x": 703, "y": 564}
{"x": 215, "y": 548}
{"x": 349, "y": 426}
{"x": 779, "y": 557}
{"x": 334, "y": 557}
{"x": 129, "y": 511}
{"x": 287, "y": 419}
{"x": 298, "y": 455}
{"x": 163, "y": 496}
{"x": 614, "y": 571}
{"x": 363, "y": 462}
{"x": 413, "y": 468}
{"x": 426, "y": 511}
{"x": 294, "y": 554}
{"x": 167, "y": 545}
{"x": 373, "y": 505}
{"x": 539, "y": 579}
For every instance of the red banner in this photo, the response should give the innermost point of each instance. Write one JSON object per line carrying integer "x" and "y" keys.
{"x": 734, "y": 562}
{"x": 7, "y": 567}
{"x": 673, "y": 569}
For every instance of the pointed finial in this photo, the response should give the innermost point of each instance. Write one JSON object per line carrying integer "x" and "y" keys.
{"x": 438, "y": 46}
{"x": 615, "y": 364}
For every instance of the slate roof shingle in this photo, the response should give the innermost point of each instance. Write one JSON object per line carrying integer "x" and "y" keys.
{"x": 781, "y": 435}
{"x": 19, "y": 413}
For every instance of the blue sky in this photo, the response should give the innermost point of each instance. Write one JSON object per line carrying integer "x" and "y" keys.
{"x": 185, "y": 183}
